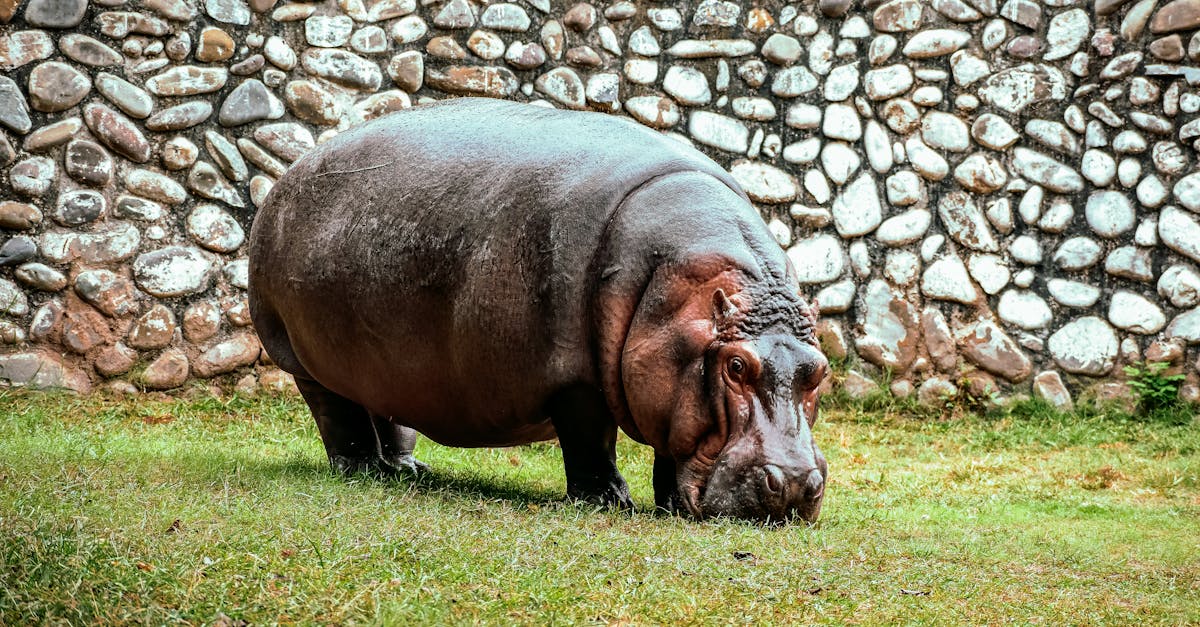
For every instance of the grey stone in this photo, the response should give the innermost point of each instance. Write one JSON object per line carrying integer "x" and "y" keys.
{"x": 173, "y": 271}
{"x": 1086, "y": 346}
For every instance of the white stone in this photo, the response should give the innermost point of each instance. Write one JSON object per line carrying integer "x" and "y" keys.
{"x": 860, "y": 259}
{"x": 901, "y": 267}
{"x": 1058, "y": 216}
{"x": 926, "y": 161}
{"x": 803, "y": 151}
{"x": 878, "y": 147}
{"x": 644, "y": 43}
{"x": 888, "y": 82}
{"x": 841, "y": 82}
{"x": 818, "y": 259}
{"x": 1109, "y": 213}
{"x": 1024, "y": 309}
{"x": 1046, "y": 171}
{"x": 1187, "y": 192}
{"x": 904, "y": 228}
{"x": 835, "y": 298}
{"x": 1077, "y": 253}
{"x": 857, "y": 210}
{"x": 1098, "y": 167}
{"x": 641, "y": 71}
{"x": 905, "y": 188}
{"x": 818, "y": 186}
{"x": 1072, "y": 293}
{"x": 840, "y": 161}
{"x": 1180, "y": 284}
{"x": 981, "y": 173}
{"x": 968, "y": 68}
{"x": 931, "y": 246}
{"x": 1186, "y": 326}
{"x": 947, "y": 279}
{"x": 764, "y": 183}
{"x": 759, "y": 109}
{"x": 687, "y": 85}
{"x": 1085, "y": 346}
{"x": 994, "y": 132}
{"x": 965, "y": 222}
{"x": 1135, "y": 313}
{"x": 1066, "y": 33}
{"x": 719, "y": 131}
{"x": 1179, "y": 231}
{"x": 794, "y": 81}
{"x": 989, "y": 271}
{"x": 841, "y": 122}
{"x": 935, "y": 43}
{"x": 945, "y": 131}
{"x": 1025, "y": 249}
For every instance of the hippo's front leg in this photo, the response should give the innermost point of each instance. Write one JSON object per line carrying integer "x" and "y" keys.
{"x": 587, "y": 434}
{"x": 666, "y": 485}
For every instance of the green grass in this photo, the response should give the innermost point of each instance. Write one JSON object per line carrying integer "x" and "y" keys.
{"x": 183, "y": 511}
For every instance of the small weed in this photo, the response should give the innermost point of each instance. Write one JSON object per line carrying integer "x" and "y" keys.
{"x": 1157, "y": 391}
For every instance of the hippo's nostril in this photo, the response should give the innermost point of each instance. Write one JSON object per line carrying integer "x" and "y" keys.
{"x": 814, "y": 486}
{"x": 774, "y": 480}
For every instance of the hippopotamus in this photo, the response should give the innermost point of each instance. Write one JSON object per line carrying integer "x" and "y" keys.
{"x": 489, "y": 273}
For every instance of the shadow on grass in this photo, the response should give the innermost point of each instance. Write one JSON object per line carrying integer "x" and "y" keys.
{"x": 455, "y": 483}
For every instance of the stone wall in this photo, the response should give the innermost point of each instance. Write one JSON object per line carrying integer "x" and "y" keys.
{"x": 995, "y": 192}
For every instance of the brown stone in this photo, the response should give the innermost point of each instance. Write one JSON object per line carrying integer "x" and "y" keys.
{"x": 1114, "y": 393}
{"x": 832, "y": 339}
{"x": 1106, "y": 7}
{"x": 938, "y": 340}
{"x": 262, "y": 6}
{"x": 1169, "y": 48}
{"x": 117, "y": 132}
{"x": 87, "y": 162}
{"x": 55, "y": 86}
{"x": 215, "y": 45}
{"x": 42, "y": 370}
{"x": 227, "y": 356}
{"x": 445, "y": 47}
{"x": 580, "y": 17}
{"x": 112, "y": 294}
{"x": 584, "y": 56}
{"x": 986, "y": 345}
{"x": 277, "y": 381}
{"x": 1165, "y": 351}
{"x": 168, "y": 371}
{"x": 114, "y": 360}
{"x": 312, "y": 103}
{"x": 8, "y": 8}
{"x": 154, "y": 330}
{"x": 834, "y": 8}
{"x": 1048, "y": 385}
{"x": 83, "y": 329}
{"x": 201, "y": 321}
{"x": 496, "y": 82}
{"x": 889, "y": 328}
{"x": 19, "y": 216}
{"x": 1176, "y": 16}
{"x": 238, "y": 313}
{"x": 759, "y": 20}
{"x": 407, "y": 70}
{"x": 53, "y": 135}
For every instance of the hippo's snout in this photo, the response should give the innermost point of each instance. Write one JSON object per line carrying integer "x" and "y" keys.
{"x": 786, "y": 494}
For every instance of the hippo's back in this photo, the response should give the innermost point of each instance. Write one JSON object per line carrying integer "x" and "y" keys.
{"x": 433, "y": 264}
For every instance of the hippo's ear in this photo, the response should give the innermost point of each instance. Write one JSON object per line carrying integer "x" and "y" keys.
{"x": 723, "y": 308}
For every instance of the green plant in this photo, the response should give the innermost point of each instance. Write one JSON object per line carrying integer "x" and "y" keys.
{"x": 1156, "y": 390}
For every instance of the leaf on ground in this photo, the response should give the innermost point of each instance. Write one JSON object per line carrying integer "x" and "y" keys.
{"x": 175, "y": 527}
{"x": 145, "y": 566}
{"x": 914, "y": 593}
{"x": 744, "y": 556}
{"x": 160, "y": 419}
{"x": 815, "y": 591}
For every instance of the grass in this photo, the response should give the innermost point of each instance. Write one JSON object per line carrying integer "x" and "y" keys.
{"x": 203, "y": 509}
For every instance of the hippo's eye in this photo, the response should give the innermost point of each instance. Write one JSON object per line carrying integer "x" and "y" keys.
{"x": 737, "y": 366}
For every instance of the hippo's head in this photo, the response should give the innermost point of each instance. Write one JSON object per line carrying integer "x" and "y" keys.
{"x": 726, "y": 387}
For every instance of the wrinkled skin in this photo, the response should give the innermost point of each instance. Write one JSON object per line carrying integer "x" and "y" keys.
{"x": 560, "y": 274}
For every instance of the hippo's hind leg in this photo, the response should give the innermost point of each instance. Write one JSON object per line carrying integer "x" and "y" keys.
{"x": 349, "y": 433}
{"x": 396, "y": 444}
{"x": 587, "y": 434}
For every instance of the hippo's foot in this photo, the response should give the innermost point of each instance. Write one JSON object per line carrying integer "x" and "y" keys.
{"x": 613, "y": 492}
{"x": 404, "y": 464}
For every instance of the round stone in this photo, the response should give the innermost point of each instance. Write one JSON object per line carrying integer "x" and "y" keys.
{"x": 55, "y": 86}
{"x": 1109, "y": 213}
{"x": 172, "y": 271}
{"x": 1085, "y": 346}
{"x": 88, "y": 162}
{"x": 214, "y": 229}
{"x": 76, "y": 208}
